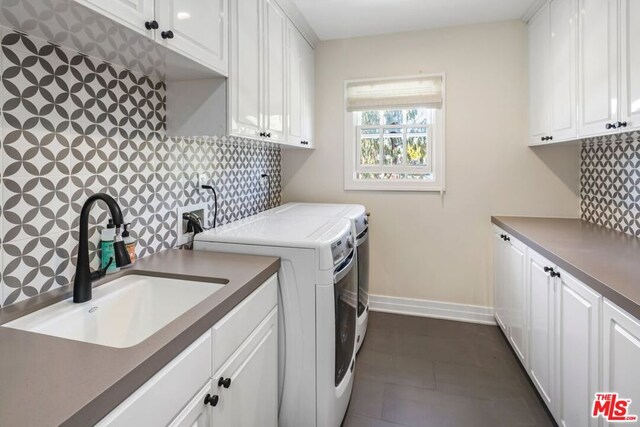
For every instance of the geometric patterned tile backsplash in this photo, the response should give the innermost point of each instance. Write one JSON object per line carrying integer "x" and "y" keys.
{"x": 610, "y": 182}
{"x": 73, "y": 126}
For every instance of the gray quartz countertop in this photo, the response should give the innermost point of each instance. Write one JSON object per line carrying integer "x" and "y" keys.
{"x": 607, "y": 261}
{"x": 46, "y": 381}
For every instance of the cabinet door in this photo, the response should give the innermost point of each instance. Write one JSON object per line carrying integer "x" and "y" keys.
{"x": 295, "y": 88}
{"x": 630, "y": 63}
{"x": 516, "y": 300}
{"x": 598, "y": 40}
{"x": 131, "y": 13}
{"x": 539, "y": 109}
{"x": 499, "y": 279}
{"x": 252, "y": 396}
{"x": 308, "y": 94}
{"x": 245, "y": 68}
{"x": 621, "y": 353}
{"x": 199, "y": 30}
{"x": 275, "y": 60}
{"x": 564, "y": 73}
{"x": 541, "y": 309}
{"x": 578, "y": 351}
{"x": 197, "y": 413}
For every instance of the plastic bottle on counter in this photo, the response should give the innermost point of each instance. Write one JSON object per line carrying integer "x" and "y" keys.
{"x": 107, "y": 251}
{"x": 130, "y": 244}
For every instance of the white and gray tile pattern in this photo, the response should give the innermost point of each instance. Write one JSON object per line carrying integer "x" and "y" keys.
{"x": 72, "y": 126}
{"x": 610, "y": 182}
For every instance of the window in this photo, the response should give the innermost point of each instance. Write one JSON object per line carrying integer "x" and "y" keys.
{"x": 394, "y": 134}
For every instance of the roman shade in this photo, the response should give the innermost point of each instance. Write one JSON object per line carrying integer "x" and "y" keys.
{"x": 399, "y": 93}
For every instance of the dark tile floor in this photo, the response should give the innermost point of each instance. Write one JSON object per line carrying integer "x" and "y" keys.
{"x": 415, "y": 371}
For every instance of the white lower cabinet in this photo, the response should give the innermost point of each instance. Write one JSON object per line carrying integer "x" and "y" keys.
{"x": 578, "y": 344}
{"x": 509, "y": 259}
{"x": 621, "y": 355}
{"x": 241, "y": 351}
{"x": 542, "y": 319}
{"x": 578, "y": 351}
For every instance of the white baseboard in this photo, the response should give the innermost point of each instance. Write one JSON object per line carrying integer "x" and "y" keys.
{"x": 435, "y": 309}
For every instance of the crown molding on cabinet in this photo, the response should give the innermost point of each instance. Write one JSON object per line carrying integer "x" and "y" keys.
{"x": 532, "y": 10}
{"x": 299, "y": 21}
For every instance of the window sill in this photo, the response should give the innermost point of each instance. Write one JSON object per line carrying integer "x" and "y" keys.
{"x": 393, "y": 186}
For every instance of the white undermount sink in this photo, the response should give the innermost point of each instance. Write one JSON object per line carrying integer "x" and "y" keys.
{"x": 122, "y": 313}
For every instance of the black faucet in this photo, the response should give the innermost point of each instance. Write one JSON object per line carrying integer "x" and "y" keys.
{"x": 84, "y": 275}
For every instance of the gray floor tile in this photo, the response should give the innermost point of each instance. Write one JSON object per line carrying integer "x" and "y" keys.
{"x": 415, "y": 371}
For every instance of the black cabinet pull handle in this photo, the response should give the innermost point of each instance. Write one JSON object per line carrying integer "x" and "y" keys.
{"x": 211, "y": 400}
{"x": 268, "y": 135}
{"x": 548, "y": 269}
{"x": 622, "y": 124}
{"x": 151, "y": 25}
{"x": 167, "y": 34}
{"x": 554, "y": 274}
{"x": 224, "y": 382}
{"x": 507, "y": 238}
{"x": 609, "y": 126}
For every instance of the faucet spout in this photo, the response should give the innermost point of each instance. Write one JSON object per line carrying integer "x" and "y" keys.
{"x": 82, "y": 282}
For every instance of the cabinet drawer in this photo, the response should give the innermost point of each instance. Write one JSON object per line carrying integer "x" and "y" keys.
{"x": 162, "y": 397}
{"x": 230, "y": 332}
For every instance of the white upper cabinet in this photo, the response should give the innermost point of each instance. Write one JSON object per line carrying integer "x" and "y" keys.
{"x": 598, "y": 106}
{"x": 584, "y": 66}
{"x": 245, "y": 69}
{"x": 271, "y": 76}
{"x": 276, "y": 24}
{"x": 540, "y": 108}
{"x": 308, "y": 94}
{"x": 563, "y": 41}
{"x": 195, "y": 28}
{"x": 295, "y": 84}
{"x": 630, "y": 64}
{"x": 540, "y": 111}
{"x": 553, "y": 73}
{"x": 131, "y": 13}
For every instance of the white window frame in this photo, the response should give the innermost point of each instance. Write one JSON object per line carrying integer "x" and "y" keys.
{"x": 436, "y": 146}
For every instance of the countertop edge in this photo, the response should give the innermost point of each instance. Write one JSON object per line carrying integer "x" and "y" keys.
{"x": 113, "y": 396}
{"x": 602, "y": 288}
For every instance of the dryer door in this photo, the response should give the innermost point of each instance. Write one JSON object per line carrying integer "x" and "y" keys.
{"x": 346, "y": 300}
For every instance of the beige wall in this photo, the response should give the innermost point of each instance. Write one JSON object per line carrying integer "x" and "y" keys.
{"x": 425, "y": 246}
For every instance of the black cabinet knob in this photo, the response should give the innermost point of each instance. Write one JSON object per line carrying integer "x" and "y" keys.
{"x": 211, "y": 400}
{"x": 151, "y": 25}
{"x": 503, "y": 236}
{"x": 554, "y": 274}
{"x": 268, "y": 135}
{"x": 167, "y": 34}
{"x": 622, "y": 124}
{"x": 507, "y": 239}
{"x": 224, "y": 382}
{"x": 263, "y": 134}
{"x": 548, "y": 269}
{"x": 609, "y": 126}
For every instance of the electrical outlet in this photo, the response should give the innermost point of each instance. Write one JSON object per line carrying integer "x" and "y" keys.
{"x": 201, "y": 180}
{"x": 199, "y": 209}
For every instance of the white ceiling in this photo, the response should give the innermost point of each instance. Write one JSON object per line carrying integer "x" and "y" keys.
{"x": 335, "y": 19}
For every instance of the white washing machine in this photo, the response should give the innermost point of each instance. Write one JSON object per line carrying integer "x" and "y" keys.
{"x": 360, "y": 229}
{"x": 317, "y": 308}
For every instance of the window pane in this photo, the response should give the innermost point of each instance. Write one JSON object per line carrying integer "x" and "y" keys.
{"x": 366, "y": 131}
{"x": 370, "y": 151}
{"x": 371, "y": 117}
{"x": 417, "y": 116}
{"x": 394, "y": 131}
{"x": 393, "y": 151}
{"x": 393, "y": 117}
{"x": 417, "y": 151}
{"x": 416, "y": 130}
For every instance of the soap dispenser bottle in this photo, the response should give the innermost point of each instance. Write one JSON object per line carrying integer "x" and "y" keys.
{"x": 107, "y": 251}
{"x": 130, "y": 244}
